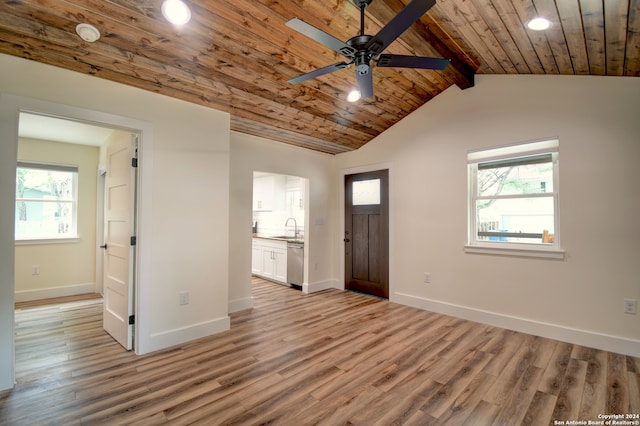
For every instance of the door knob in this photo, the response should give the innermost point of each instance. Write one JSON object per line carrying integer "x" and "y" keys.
{"x": 104, "y": 246}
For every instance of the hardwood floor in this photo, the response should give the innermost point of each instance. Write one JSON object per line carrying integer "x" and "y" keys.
{"x": 329, "y": 358}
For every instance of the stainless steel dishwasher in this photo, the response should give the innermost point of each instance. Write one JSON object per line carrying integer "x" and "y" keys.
{"x": 295, "y": 263}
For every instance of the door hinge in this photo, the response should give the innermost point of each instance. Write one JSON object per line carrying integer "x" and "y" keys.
{"x": 134, "y": 240}
{"x": 132, "y": 319}
{"x": 134, "y": 162}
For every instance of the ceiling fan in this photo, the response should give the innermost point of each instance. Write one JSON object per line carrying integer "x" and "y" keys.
{"x": 363, "y": 49}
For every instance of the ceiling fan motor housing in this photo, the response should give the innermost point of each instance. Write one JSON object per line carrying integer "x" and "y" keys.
{"x": 359, "y": 42}
{"x": 362, "y": 56}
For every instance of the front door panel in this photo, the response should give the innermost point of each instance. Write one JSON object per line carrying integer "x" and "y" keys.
{"x": 367, "y": 233}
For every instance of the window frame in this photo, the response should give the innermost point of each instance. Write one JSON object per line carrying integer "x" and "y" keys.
{"x": 513, "y": 154}
{"x": 73, "y": 202}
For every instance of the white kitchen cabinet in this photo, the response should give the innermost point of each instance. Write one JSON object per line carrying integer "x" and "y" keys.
{"x": 256, "y": 257}
{"x": 295, "y": 201}
{"x": 268, "y": 193}
{"x": 295, "y": 192}
{"x": 269, "y": 259}
{"x": 263, "y": 193}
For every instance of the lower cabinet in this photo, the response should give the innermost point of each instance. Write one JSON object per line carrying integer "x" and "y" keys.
{"x": 269, "y": 259}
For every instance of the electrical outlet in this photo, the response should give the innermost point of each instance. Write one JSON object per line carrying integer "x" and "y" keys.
{"x": 184, "y": 298}
{"x": 35, "y": 270}
{"x": 427, "y": 277}
{"x": 630, "y": 306}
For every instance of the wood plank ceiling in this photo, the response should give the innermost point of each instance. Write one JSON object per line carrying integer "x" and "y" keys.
{"x": 237, "y": 55}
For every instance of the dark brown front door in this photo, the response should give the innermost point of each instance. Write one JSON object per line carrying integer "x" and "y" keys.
{"x": 367, "y": 232}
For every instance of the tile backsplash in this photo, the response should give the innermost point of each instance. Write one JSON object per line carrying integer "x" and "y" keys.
{"x": 272, "y": 223}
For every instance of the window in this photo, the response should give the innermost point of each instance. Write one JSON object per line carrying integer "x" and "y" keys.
{"x": 46, "y": 201}
{"x": 366, "y": 192}
{"x": 513, "y": 200}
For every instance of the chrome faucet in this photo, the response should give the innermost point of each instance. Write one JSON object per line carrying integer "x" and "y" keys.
{"x": 295, "y": 226}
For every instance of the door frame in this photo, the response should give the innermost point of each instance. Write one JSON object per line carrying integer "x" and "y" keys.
{"x": 10, "y": 108}
{"x": 100, "y": 194}
{"x": 341, "y": 208}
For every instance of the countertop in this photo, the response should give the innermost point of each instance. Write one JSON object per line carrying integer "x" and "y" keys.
{"x": 280, "y": 238}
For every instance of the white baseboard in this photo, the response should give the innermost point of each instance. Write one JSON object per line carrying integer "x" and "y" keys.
{"x": 319, "y": 286}
{"x": 51, "y": 292}
{"x": 181, "y": 335}
{"x": 586, "y": 338}
{"x": 240, "y": 304}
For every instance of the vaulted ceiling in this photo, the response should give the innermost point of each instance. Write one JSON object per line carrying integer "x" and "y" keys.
{"x": 238, "y": 55}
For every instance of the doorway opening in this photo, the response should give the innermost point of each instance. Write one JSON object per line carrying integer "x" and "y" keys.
{"x": 50, "y": 265}
{"x": 279, "y": 222}
{"x": 10, "y": 108}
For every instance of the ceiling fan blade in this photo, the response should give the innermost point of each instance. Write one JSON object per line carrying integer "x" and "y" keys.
{"x": 399, "y": 24}
{"x": 321, "y": 71}
{"x": 365, "y": 83}
{"x": 321, "y": 37}
{"x": 405, "y": 61}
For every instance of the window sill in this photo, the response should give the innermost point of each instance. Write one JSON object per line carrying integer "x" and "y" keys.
{"x": 42, "y": 241}
{"x": 542, "y": 253}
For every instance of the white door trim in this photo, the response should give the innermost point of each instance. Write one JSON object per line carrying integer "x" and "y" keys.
{"x": 99, "y": 287}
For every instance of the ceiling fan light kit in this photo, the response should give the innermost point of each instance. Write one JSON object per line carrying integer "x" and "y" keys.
{"x": 363, "y": 49}
{"x": 353, "y": 96}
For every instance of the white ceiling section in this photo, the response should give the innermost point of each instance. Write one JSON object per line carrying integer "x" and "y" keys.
{"x": 56, "y": 129}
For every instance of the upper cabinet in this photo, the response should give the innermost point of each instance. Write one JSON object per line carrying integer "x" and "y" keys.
{"x": 294, "y": 197}
{"x": 268, "y": 193}
{"x": 263, "y": 193}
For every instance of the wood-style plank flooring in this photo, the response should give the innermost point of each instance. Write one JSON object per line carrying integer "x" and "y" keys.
{"x": 329, "y": 358}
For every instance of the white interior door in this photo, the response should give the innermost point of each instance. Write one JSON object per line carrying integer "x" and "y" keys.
{"x": 119, "y": 261}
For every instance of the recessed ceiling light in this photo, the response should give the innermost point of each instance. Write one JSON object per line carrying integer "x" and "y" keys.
{"x": 176, "y": 11}
{"x": 353, "y": 96}
{"x": 88, "y": 32}
{"x": 539, "y": 24}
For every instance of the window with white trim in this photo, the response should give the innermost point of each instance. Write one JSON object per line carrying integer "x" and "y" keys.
{"x": 46, "y": 201}
{"x": 513, "y": 197}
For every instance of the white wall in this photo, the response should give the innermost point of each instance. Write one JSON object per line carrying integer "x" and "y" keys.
{"x": 8, "y": 155}
{"x": 183, "y": 239}
{"x": 66, "y": 268}
{"x": 579, "y": 299}
{"x": 249, "y": 154}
